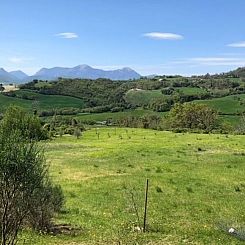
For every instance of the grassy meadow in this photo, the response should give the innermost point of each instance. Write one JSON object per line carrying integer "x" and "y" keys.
{"x": 142, "y": 97}
{"x": 196, "y": 182}
{"x": 42, "y": 102}
{"x": 231, "y": 104}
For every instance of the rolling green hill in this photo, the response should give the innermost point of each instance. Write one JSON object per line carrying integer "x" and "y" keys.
{"x": 232, "y": 104}
{"x": 191, "y": 90}
{"x": 142, "y": 97}
{"x": 26, "y": 99}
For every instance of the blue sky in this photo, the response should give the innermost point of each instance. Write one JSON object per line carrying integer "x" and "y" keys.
{"x": 151, "y": 36}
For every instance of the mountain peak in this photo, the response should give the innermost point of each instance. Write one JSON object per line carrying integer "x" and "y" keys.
{"x": 86, "y": 72}
{"x": 19, "y": 74}
{"x": 127, "y": 69}
{"x": 2, "y": 70}
{"x": 82, "y": 67}
{"x": 81, "y": 71}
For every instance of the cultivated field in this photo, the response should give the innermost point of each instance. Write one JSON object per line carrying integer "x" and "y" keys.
{"x": 196, "y": 184}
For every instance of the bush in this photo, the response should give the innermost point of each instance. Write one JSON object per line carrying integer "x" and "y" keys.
{"x": 193, "y": 116}
{"x": 28, "y": 125}
{"x": 27, "y": 196}
{"x": 161, "y": 104}
{"x": 48, "y": 200}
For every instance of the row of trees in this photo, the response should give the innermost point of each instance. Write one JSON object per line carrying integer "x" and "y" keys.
{"x": 187, "y": 117}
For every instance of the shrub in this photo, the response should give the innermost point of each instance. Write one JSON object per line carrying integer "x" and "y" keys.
{"x": 193, "y": 116}
{"x": 28, "y": 125}
{"x": 27, "y": 196}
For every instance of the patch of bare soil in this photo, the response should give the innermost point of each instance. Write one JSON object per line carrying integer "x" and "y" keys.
{"x": 64, "y": 229}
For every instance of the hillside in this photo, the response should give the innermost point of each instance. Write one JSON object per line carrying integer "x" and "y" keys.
{"x": 29, "y": 100}
{"x": 6, "y": 77}
{"x": 157, "y": 95}
{"x": 233, "y": 104}
{"x": 239, "y": 72}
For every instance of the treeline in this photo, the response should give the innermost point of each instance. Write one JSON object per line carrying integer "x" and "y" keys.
{"x": 103, "y": 95}
{"x": 187, "y": 117}
{"x": 93, "y": 92}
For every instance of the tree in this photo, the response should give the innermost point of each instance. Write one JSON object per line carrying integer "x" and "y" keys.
{"x": 77, "y": 133}
{"x": 167, "y": 91}
{"x": 28, "y": 125}
{"x": 241, "y": 126}
{"x": 1, "y": 87}
{"x": 161, "y": 104}
{"x": 193, "y": 116}
{"x": 27, "y": 195}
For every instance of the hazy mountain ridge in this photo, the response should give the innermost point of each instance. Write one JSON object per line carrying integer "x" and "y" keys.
{"x": 19, "y": 74}
{"x": 85, "y": 71}
{"x": 80, "y": 71}
{"x": 6, "y": 76}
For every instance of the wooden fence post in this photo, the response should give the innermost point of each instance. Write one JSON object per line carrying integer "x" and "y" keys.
{"x": 146, "y": 200}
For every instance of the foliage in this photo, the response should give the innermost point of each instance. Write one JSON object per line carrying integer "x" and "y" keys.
{"x": 24, "y": 179}
{"x": 161, "y": 104}
{"x": 92, "y": 92}
{"x": 1, "y": 87}
{"x": 167, "y": 91}
{"x": 63, "y": 125}
{"x": 16, "y": 119}
{"x": 192, "y": 116}
{"x": 240, "y": 129}
{"x": 152, "y": 121}
{"x": 77, "y": 133}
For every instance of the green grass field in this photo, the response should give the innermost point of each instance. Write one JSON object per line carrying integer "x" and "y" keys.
{"x": 142, "y": 97}
{"x": 233, "y": 120}
{"x": 191, "y": 91}
{"x": 44, "y": 102}
{"x": 196, "y": 181}
{"x": 229, "y": 104}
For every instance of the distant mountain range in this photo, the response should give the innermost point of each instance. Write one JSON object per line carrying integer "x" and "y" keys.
{"x": 81, "y": 71}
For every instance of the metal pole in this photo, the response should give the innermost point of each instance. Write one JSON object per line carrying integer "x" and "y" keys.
{"x": 146, "y": 199}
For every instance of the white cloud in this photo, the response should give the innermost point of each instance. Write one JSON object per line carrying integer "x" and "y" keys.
{"x": 163, "y": 36}
{"x": 67, "y": 35}
{"x": 18, "y": 60}
{"x": 212, "y": 61}
{"x": 237, "y": 45}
